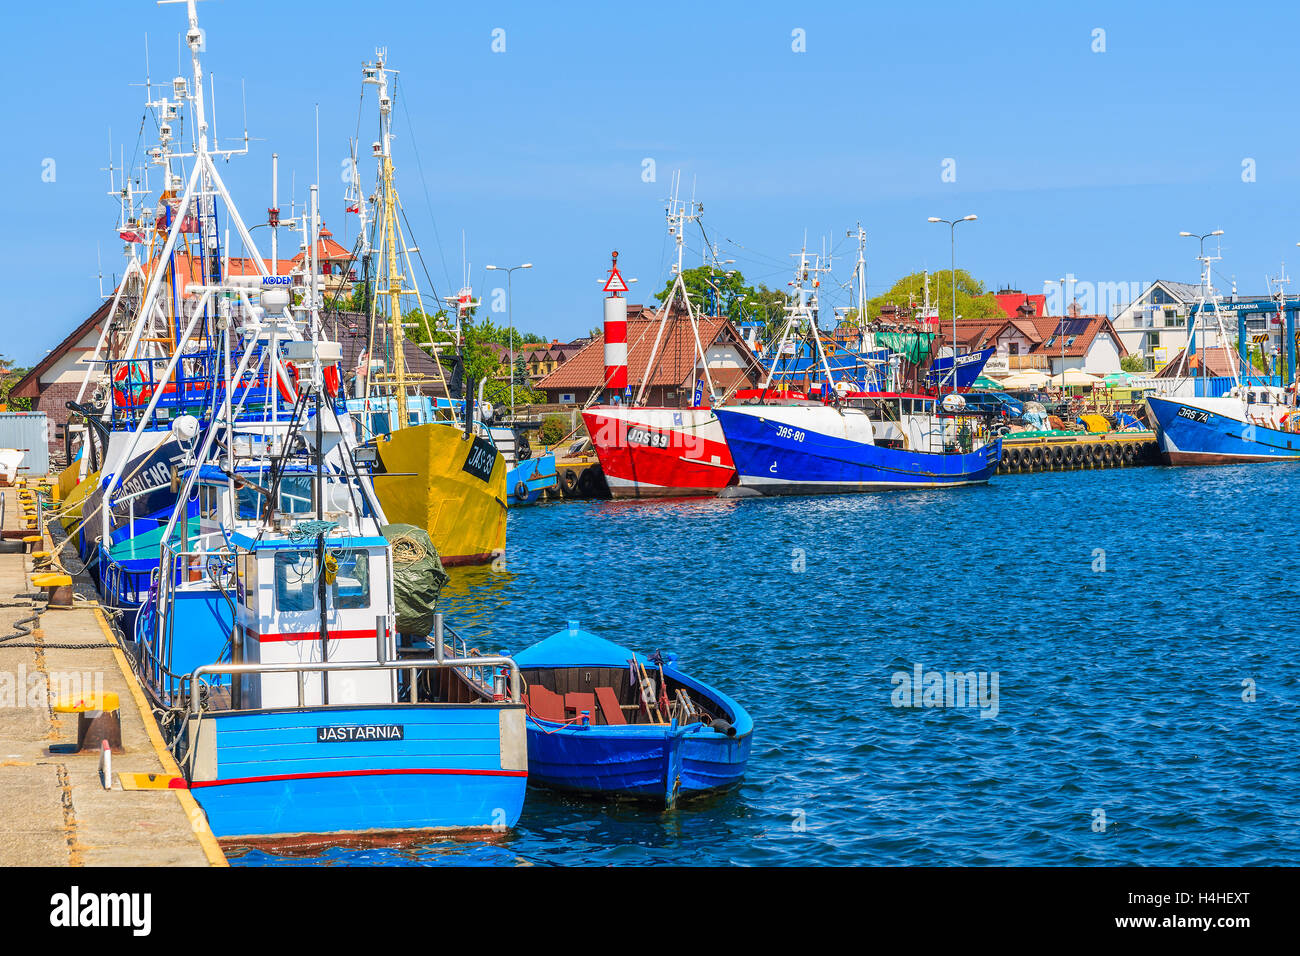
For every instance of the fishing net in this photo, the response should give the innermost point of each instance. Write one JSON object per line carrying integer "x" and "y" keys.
{"x": 418, "y": 578}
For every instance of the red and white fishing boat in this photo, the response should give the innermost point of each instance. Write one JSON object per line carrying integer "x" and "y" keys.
{"x": 658, "y": 451}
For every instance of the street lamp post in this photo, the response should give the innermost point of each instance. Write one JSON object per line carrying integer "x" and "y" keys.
{"x": 1060, "y": 328}
{"x": 952, "y": 224}
{"x": 510, "y": 311}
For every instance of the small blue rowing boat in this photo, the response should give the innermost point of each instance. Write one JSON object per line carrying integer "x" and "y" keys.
{"x": 605, "y": 720}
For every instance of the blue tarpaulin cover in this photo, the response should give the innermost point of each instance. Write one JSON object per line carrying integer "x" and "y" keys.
{"x": 576, "y": 648}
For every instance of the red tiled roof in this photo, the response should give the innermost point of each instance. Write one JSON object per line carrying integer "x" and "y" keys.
{"x": 674, "y": 365}
{"x": 326, "y": 248}
{"x": 1219, "y": 360}
{"x": 981, "y": 333}
{"x": 1096, "y": 325}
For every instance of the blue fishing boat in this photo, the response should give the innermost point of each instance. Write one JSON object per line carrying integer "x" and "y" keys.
{"x": 969, "y": 367}
{"x": 1254, "y": 421}
{"x": 1251, "y": 423}
{"x": 529, "y": 476}
{"x": 272, "y": 640}
{"x": 285, "y": 635}
{"x": 803, "y": 447}
{"x": 851, "y": 441}
{"x": 603, "y": 720}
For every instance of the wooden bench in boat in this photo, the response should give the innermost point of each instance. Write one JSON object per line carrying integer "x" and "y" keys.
{"x": 578, "y": 702}
{"x": 609, "y": 705}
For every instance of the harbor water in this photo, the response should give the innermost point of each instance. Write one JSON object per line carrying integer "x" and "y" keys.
{"x": 1138, "y": 685}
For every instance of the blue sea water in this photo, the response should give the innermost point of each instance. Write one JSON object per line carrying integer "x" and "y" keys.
{"x": 1139, "y": 623}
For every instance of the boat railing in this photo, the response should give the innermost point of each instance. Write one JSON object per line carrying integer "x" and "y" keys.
{"x": 302, "y": 669}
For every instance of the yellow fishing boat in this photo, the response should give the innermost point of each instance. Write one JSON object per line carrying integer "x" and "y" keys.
{"x": 453, "y": 487}
{"x": 437, "y": 475}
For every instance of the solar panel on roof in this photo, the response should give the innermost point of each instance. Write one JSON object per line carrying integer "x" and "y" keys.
{"x": 1071, "y": 327}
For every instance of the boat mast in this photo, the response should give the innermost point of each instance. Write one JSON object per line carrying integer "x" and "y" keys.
{"x": 1279, "y": 282}
{"x": 1208, "y": 292}
{"x": 378, "y": 76}
{"x": 860, "y": 272}
{"x": 678, "y": 214}
{"x": 391, "y": 240}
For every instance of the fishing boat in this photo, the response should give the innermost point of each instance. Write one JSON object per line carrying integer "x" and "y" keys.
{"x": 851, "y": 441}
{"x": 1254, "y": 421}
{"x": 649, "y": 451}
{"x": 1251, "y": 423}
{"x": 529, "y": 476}
{"x": 445, "y": 475}
{"x": 969, "y": 367}
{"x": 273, "y": 647}
{"x": 606, "y": 721}
{"x": 271, "y": 636}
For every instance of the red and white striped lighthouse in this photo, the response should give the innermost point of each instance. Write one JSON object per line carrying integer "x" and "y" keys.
{"x": 615, "y": 331}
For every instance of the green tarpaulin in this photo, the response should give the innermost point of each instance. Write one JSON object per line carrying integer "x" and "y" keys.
{"x": 912, "y": 346}
{"x": 418, "y": 578}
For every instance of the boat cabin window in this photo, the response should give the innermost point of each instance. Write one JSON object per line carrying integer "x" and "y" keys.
{"x": 207, "y": 501}
{"x": 295, "y": 581}
{"x": 379, "y": 423}
{"x": 295, "y": 494}
{"x": 246, "y": 568}
{"x": 351, "y": 587}
{"x": 248, "y": 500}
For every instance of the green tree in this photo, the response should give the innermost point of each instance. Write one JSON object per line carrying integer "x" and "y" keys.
{"x": 973, "y": 300}
{"x": 553, "y": 429}
{"x": 1132, "y": 363}
{"x": 733, "y": 297}
{"x": 11, "y": 375}
{"x": 480, "y": 358}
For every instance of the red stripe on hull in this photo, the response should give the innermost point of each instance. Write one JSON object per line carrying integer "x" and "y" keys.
{"x": 683, "y": 466}
{"x": 339, "y": 635}
{"x": 355, "y": 773}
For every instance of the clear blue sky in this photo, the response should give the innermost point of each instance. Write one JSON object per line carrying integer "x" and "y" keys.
{"x": 1075, "y": 161}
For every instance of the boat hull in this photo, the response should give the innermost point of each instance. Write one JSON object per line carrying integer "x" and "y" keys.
{"x": 267, "y": 774}
{"x": 660, "y": 452}
{"x": 1193, "y": 433}
{"x": 658, "y": 763}
{"x": 774, "y": 458}
{"x": 455, "y": 488}
{"x": 529, "y": 480}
